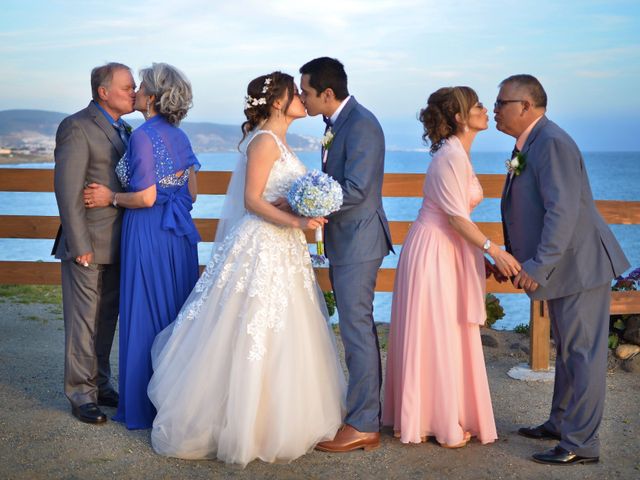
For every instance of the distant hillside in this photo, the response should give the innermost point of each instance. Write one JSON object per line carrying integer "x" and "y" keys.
{"x": 33, "y": 131}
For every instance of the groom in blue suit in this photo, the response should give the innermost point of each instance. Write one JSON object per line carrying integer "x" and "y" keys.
{"x": 357, "y": 239}
{"x": 569, "y": 257}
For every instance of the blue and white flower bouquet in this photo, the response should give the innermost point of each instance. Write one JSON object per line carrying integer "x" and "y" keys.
{"x": 315, "y": 194}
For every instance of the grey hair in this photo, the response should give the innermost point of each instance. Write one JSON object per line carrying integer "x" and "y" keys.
{"x": 171, "y": 88}
{"x": 101, "y": 77}
{"x": 531, "y": 84}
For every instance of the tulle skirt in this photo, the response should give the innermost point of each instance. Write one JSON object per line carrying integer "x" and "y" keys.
{"x": 249, "y": 369}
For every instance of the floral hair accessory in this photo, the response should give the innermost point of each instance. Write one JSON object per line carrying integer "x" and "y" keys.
{"x": 516, "y": 165}
{"x": 267, "y": 82}
{"x": 249, "y": 102}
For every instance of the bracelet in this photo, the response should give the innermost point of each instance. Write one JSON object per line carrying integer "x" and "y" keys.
{"x": 486, "y": 246}
{"x": 114, "y": 202}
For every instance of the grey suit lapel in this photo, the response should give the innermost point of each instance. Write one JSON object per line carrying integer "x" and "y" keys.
{"x": 107, "y": 128}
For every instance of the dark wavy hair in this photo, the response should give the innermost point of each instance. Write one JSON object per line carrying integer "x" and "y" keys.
{"x": 439, "y": 116}
{"x": 275, "y": 89}
{"x": 326, "y": 72}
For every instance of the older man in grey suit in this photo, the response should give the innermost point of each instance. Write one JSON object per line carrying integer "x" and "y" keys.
{"x": 89, "y": 143}
{"x": 357, "y": 239}
{"x": 569, "y": 257}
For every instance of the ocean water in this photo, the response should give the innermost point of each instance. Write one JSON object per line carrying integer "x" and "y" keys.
{"x": 613, "y": 176}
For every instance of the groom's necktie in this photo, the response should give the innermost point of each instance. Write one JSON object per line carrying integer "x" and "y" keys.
{"x": 328, "y": 124}
{"x": 122, "y": 132}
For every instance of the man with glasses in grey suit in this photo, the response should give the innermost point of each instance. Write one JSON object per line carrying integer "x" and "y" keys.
{"x": 569, "y": 257}
{"x": 89, "y": 143}
{"x": 357, "y": 239}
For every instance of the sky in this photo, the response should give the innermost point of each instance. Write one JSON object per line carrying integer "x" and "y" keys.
{"x": 396, "y": 52}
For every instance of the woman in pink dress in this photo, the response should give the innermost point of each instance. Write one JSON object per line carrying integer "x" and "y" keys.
{"x": 436, "y": 382}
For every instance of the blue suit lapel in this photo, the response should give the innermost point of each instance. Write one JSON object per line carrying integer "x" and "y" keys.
{"x": 525, "y": 149}
{"x": 340, "y": 122}
{"x": 534, "y": 133}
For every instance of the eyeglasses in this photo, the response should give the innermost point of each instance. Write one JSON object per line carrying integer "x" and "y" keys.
{"x": 501, "y": 103}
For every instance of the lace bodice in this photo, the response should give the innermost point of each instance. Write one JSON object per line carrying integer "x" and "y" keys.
{"x": 258, "y": 266}
{"x": 284, "y": 172}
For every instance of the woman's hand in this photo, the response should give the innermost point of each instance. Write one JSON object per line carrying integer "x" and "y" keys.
{"x": 311, "y": 223}
{"x": 505, "y": 263}
{"x": 96, "y": 195}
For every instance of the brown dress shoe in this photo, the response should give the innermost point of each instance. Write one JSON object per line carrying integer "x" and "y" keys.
{"x": 348, "y": 439}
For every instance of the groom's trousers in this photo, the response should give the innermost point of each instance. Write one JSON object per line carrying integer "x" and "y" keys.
{"x": 353, "y": 287}
{"x": 580, "y": 327}
{"x": 90, "y": 297}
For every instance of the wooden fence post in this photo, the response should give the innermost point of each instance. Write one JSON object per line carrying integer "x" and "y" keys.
{"x": 539, "y": 336}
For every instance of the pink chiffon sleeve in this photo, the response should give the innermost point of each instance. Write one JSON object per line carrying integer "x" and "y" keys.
{"x": 449, "y": 179}
{"x": 450, "y": 174}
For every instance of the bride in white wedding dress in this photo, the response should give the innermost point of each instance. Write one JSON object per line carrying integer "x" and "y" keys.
{"x": 249, "y": 368}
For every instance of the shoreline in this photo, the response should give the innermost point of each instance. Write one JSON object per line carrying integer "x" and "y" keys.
{"x": 25, "y": 158}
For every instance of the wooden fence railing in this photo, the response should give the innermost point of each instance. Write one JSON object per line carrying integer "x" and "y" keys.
{"x": 395, "y": 185}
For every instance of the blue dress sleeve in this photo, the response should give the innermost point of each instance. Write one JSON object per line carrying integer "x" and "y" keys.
{"x": 141, "y": 161}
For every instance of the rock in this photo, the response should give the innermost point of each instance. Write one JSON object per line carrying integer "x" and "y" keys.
{"x": 632, "y": 365}
{"x": 489, "y": 340}
{"x": 627, "y": 350}
{"x": 613, "y": 363}
{"x": 632, "y": 330}
{"x": 514, "y": 346}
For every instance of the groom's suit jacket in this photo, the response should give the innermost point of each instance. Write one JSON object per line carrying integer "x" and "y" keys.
{"x": 551, "y": 223}
{"x": 87, "y": 150}
{"x": 359, "y": 231}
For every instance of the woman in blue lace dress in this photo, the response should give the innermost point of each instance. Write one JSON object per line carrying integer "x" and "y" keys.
{"x": 159, "y": 259}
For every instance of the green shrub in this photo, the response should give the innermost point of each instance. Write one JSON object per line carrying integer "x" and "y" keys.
{"x": 617, "y": 323}
{"x": 493, "y": 308}
{"x": 330, "y": 300}
{"x": 522, "y": 328}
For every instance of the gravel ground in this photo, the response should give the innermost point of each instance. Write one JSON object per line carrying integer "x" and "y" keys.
{"x": 40, "y": 439}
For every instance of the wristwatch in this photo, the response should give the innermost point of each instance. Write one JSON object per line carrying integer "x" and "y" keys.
{"x": 486, "y": 246}
{"x": 114, "y": 201}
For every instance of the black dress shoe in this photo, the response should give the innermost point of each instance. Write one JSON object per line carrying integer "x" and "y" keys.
{"x": 560, "y": 456}
{"x": 108, "y": 399}
{"x": 539, "y": 433}
{"x": 89, "y": 413}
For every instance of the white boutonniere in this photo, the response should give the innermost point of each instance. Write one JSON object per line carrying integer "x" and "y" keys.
{"x": 516, "y": 165}
{"x": 326, "y": 142}
{"x": 327, "y": 139}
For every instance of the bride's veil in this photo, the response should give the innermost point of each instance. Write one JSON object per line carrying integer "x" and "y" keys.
{"x": 233, "y": 207}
